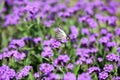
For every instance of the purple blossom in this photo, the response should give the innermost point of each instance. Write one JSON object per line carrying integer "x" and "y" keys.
{"x": 112, "y": 20}
{"x": 116, "y": 78}
{"x": 19, "y": 56}
{"x": 36, "y": 75}
{"x": 92, "y": 23}
{"x": 18, "y": 42}
{"x": 112, "y": 57}
{"x": 70, "y": 66}
{"x": 61, "y": 60}
{"x": 117, "y": 31}
{"x": 23, "y": 72}
{"x": 55, "y": 43}
{"x": 104, "y": 40}
{"x": 69, "y": 76}
{"x": 37, "y": 40}
{"x": 74, "y": 32}
{"x": 93, "y": 69}
{"x": 84, "y": 76}
{"x": 100, "y": 59}
{"x": 6, "y": 73}
{"x": 108, "y": 67}
{"x": 46, "y": 68}
{"x": 52, "y": 76}
{"x": 85, "y": 31}
{"x": 47, "y": 52}
{"x": 103, "y": 31}
{"x": 103, "y": 75}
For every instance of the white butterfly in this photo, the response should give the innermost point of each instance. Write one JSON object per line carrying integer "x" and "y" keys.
{"x": 61, "y": 35}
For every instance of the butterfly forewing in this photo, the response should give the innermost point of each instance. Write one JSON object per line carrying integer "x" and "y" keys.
{"x": 60, "y": 34}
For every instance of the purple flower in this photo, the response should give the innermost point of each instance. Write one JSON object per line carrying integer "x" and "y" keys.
{"x": 1, "y": 56}
{"x": 117, "y": 31}
{"x": 85, "y": 31}
{"x": 61, "y": 60}
{"x": 46, "y": 43}
{"x": 69, "y": 76}
{"x": 103, "y": 31}
{"x": 46, "y": 68}
{"x": 37, "y": 40}
{"x": 104, "y": 40}
{"x": 53, "y": 76}
{"x": 36, "y": 75}
{"x": 74, "y": 32}
{"x": 19, "y": 56}
{"x": 70, "y": 66}
{"x": 84, "y": 76}
{"x": 118, "y": 49}
{"x": 55, "y": 43}
{"x": 100, "y": 59}
{"x": 49, "y": 23}
{"x": 112, "y": 20}
{"x": 47, "y": 52}
{"x": 93, "y": 69}
{"x": 92, "y": 23}
{"x": 18, "y": 42}
{"x": 103, "y": 75}
{"x": 112, "y": 57}
{"x": 116, "y": 78}
{"x": 6, "y": 73}
{"x": 108, "y": 67}
{"x": 84, "y": 41}
{"x": 23, "y": 72}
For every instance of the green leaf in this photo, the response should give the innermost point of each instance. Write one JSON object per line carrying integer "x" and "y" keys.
{"x": 1, "y": 5}
{"x": 31, "y": 77}
{"x": 76, "y": 69}
{"x": 4, "y": 39}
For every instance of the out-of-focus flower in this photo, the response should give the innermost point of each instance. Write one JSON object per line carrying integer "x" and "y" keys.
{"x": 61, "y": 60}
{"x": 36, "y": 75}
{"x": 112, "y": 57}
{"x": 47, "y": 52}
{"x": 116, "y": 78}
{"x": 70, "y": 66}
{"x": 103, "y": 75}
{"x": 84, "y": 76}
{"x": 92, "y": 23}
{"x": 23, "y": 72}
{"x": 55, "y": 43}
{"x": 69, "y": 76}
{"x": 46, "y": 68}
{"x": 37, "y": 40}
{"x": 18, "y": 42}
{"x": 74, "y": 32}
{"x": 6, "y": 73}
{"x": 93, "y": 69}
{"x": 108, "y": 67}
{"x": 85, "y": 31}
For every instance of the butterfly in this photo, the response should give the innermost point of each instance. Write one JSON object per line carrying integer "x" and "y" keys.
{"x": 61, "y": 35}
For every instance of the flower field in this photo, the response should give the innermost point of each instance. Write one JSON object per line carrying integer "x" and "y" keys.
{"x": 30, "y": 49}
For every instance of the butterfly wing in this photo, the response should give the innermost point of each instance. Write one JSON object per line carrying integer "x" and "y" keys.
{"x": 60, "y": 34}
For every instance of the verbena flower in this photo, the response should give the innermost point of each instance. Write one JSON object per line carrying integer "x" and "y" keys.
{"x": 46, "y": 68}
{"x": 69, "y": 76}
{"x": 6, "y": 73}
{"x": 47, "y": 52}
{"x": 23, "y": 72}
{"x": 108, "y": 67}
{"x": 93, "y": 69}
{"x": 103, "y": 75}
{"x": 84, "y": 76}
{"x": 112, "y": 57}
{"x": 61, "y": 60}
